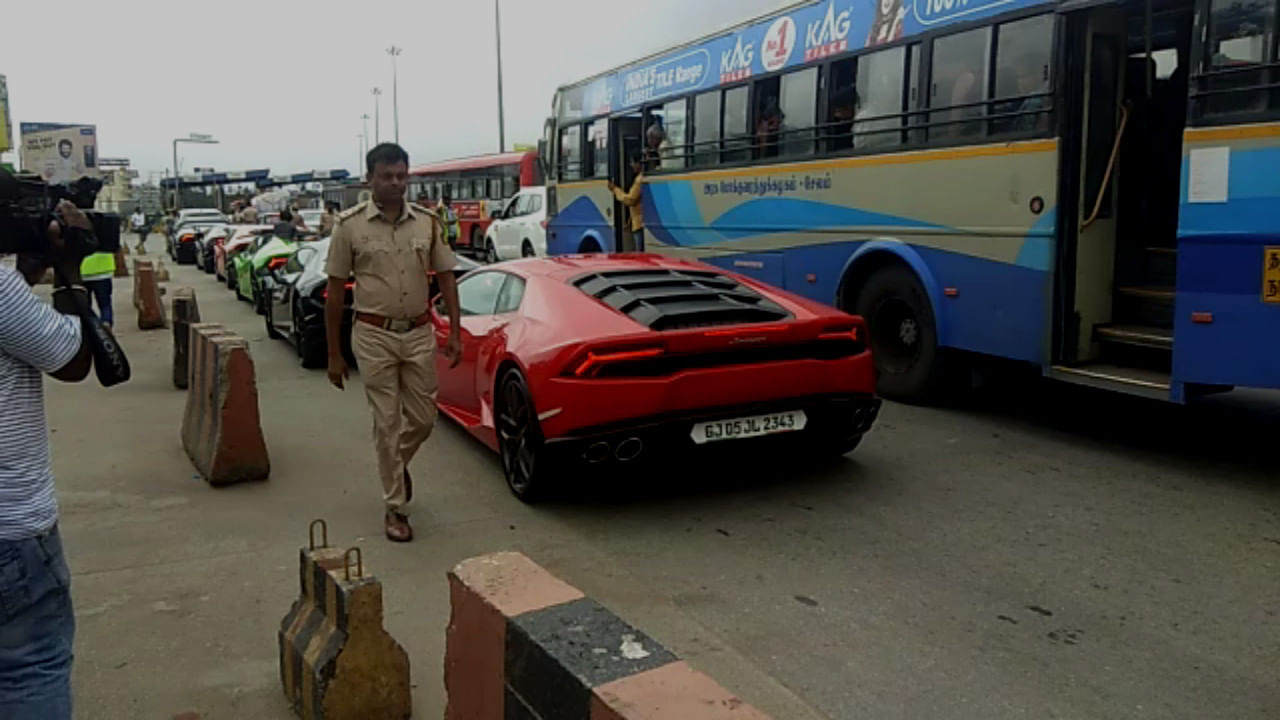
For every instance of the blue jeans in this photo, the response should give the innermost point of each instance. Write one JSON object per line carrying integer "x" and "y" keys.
{"x": 37, "y": 626}
{"x": 101, "y": 290}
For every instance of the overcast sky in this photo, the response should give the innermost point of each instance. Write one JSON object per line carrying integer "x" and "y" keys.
{"x": 282, "y": 83}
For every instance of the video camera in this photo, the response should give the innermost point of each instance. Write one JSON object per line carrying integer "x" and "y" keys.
{"x": 28, "y": 205}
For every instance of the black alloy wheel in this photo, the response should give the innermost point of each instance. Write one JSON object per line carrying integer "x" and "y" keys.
{"x": 526, "y": 250}
{"x": 490, "y": 252}
{"x": 520, "y": 439}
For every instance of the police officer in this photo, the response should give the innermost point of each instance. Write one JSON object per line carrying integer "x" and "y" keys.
{"x": 390, "y": 245}
{"x": 448, "y": 216}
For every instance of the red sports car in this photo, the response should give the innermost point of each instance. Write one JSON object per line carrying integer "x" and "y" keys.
{"x": 601, "y": 359}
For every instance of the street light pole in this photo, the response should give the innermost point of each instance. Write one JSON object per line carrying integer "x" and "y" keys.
{"x": 359, "y": 154}
{"x": 377, "y": 116}
{"x": 394, "y": 52}
{"x": 177, "y": 179}
{"x": 365, "y": 118}
{"x": 497, "y": 28}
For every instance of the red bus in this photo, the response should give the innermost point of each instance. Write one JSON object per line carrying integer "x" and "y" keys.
{"x": 480, "y": 186}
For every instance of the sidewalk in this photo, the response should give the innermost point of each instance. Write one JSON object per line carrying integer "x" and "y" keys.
{"x": 180, "y": 588}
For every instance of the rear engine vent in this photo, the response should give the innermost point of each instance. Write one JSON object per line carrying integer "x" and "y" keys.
{"x": 680, "y": 299}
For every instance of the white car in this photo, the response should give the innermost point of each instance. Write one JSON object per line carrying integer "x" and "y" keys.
{"x": 520, "y": 230}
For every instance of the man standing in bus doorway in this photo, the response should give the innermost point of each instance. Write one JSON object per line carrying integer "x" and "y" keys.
{"x": 633, "y": 200}
{"x": 448, "y": 216}
{"x": 390, "y": 245}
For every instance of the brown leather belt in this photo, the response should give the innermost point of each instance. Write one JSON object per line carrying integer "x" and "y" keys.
{"x": 395, "y": 325}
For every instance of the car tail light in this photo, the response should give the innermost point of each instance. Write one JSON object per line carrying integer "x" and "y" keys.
{"x": 277, "y": 263}
{"x": 590, "y": 365}
{"x": 187, "y": 238}
{"x": 841, "y": 332}
{"x": 543, "y": 224}
{"x": 324, "y": 289}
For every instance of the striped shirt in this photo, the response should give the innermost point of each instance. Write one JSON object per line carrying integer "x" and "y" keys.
{"x": 34, "y": 339}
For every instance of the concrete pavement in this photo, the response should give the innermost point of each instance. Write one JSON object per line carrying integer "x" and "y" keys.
{"x": 1043, "y": 553}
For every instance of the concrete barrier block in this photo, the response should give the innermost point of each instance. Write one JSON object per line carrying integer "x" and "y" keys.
{"x": 337, "y": 662}
{"x": 185, "y": 312}
{"x": 524, "y": 644}
{"x": 146, "y": 296}
{"x": 221, "y": 429}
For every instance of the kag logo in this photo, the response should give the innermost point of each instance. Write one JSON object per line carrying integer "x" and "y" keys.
{"x": 828, "y": 36}
{"x": 735, "y": 64}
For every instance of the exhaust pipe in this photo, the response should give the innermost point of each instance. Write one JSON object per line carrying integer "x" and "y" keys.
{"x": 596, "y": 453}
{"x": 629, "y": 449}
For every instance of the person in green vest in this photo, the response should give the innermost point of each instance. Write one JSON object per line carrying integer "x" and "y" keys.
{"x": 448, "y": 216}
{"x": 98, "y": 272}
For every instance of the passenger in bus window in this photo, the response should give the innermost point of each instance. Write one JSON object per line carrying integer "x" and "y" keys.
{"x": 887, "y": 25}
{"x": 633, "y": 199}
{"x": 844, "y": 105}
{"x": 656, "y": 147}
{"x": 1031, "y": 82}
{"x": 768, "y": 126}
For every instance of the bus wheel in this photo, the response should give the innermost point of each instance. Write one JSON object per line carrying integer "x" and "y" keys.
{"x": 589, "y": 246}
{"x": 904, "y": 336}
{"x": 477, "y": 238}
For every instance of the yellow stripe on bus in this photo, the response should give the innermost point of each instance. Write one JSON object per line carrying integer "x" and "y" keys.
{"x": 1236, "y": 132}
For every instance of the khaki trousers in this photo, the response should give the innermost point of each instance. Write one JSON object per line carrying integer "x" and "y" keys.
{"x": 399, "y": 374}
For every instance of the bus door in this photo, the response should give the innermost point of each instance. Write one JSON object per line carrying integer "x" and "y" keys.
{"x": 1124, "y": 124}
{"x": 625, "y": 139}
{"x": 1094, "y": 78}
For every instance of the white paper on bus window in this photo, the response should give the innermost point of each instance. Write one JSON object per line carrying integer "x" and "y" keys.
{"x": 1207, "y": 175}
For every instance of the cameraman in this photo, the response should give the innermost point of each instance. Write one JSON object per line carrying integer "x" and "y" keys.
{"x": 36, "y": 619}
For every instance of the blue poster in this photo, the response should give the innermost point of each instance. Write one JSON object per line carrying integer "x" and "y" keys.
{"x": 806, "y": 35}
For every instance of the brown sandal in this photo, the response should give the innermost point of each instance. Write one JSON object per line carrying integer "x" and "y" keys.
{"x": 397, "y": 527}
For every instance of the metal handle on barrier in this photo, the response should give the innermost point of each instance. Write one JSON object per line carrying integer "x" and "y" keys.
{"x": 324, "y": 533}
{"x": 346, "y": 563}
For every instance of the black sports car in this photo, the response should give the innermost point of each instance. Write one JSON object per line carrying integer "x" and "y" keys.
{"x": 296, "y": 293}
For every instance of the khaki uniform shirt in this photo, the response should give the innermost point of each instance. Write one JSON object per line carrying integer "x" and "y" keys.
{"x": 327, "y": 221}
{"x": 390, "y": 261}
{"x": 249, "y": 215}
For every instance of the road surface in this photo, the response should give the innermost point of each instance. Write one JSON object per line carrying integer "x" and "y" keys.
{"x": 1046, "y": 552}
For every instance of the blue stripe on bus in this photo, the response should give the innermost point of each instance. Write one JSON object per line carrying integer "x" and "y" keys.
{"x": 1253, "y": 198}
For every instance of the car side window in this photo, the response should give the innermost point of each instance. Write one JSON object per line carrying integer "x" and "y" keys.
{"x": 511, "y": 296}
{"x": 535, "y": 203}
{"x": 478, "y": 294}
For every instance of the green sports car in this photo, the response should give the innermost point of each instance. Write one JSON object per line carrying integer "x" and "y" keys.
{"x": 250, "y": 267}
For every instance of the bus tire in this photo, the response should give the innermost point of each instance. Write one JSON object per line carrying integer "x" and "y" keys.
{"x": 588, "y": 246}
{"x": 477, "y": 239}
{"x": 903, "y": 334}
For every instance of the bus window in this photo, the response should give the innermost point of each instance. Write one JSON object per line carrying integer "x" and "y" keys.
{"x": 1241, "y": 35}
{"x": 706, "y": 128}
{"x": 1022, "y": 75}
{"x": 915, "y": 100}
{"x": 841, "y": 105}
{"x": 655, "y": 136}
{"x": 879, "y": 88}
{"x": 768, "y": 118}
{"x": 959, "y": 76}
{"x": 477, "y": 189}
{"x": 799, "y": 101}
{"x": 737, "y": 141}
{"x": 510, "y": 186}
{"x": 674, "y": 147}
{"x": 571, "y": 153}
{"x": 598, "y": 149}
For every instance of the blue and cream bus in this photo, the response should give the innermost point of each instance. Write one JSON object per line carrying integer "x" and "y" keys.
{"x": 1090, "y": 186}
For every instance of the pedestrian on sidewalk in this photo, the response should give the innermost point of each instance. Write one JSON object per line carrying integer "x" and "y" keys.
{"x": 98, "y": 272}
{"x": 390, "y": 246}
{"x": 138, "y": 222}
{"x": 37, "y": 622}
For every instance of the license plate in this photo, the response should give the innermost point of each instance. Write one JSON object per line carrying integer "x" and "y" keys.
{"x": 748, "y": 427}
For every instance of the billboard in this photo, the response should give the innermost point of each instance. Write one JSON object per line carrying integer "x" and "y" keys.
{"x": 59, "y": 153}
{"x": 6, "y": 129}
